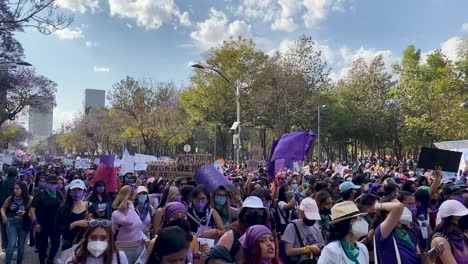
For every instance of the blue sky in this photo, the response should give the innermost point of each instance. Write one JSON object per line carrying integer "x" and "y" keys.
{"x": 158, "y": 39}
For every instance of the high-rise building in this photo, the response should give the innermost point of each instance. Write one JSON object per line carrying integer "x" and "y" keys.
{"x": 41, "y": 117}
{"x": 94, "y": 99}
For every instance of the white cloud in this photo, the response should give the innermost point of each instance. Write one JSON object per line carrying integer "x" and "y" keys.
{"x": 62, "y": 117}
{"x": 101, "y": 69}
{"x": 318, "y": 10}
{"x": 465, "y": 27}
{"x": 327, "y": 52}
{"x": 150, "y": 14}
{"x": 215, "y": 29}
{"x": 450, "y": 48}
{"x": 81, "y": 6}
{"x": 69, "y": 34}
{"x": 129, "y": 25}
{"x": 285, "y": 20}
{"x": 90, "y": 44}
{"x": 258, "y": 9}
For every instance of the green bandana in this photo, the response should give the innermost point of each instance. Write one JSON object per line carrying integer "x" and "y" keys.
{"x": 351, "y": 251}
{"x": 401, "y": 233}
{"x": 52, "y": 194}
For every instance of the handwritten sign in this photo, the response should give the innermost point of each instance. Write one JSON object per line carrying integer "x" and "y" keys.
{"x": 187, "y": 164}
{"x": 162, "y": 168}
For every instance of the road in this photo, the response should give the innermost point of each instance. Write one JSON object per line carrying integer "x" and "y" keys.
{"x": 30, "y": 257}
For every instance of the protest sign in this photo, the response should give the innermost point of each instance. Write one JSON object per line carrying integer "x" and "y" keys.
{"x": 187, "y": 164}
{"x": 82, "y": 164}
{"x": 340, "y": 169}
{"x": 162, "y": 168}
{"x": 6, "y": 159}
{"x": 140, "y": 166}
{"x": 68, "y": 162}
{"x": 142, "y": 158}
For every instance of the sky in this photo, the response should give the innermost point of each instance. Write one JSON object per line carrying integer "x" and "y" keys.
{"x": 159, "y": 39}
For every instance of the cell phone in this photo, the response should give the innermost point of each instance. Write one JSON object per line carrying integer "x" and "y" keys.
{"x": 432, "y": 249}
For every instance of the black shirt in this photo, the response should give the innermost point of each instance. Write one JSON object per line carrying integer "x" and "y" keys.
{"x": 46, "y": 209}
{"x": 200, "y": 217}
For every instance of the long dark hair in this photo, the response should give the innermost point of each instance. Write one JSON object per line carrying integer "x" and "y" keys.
{"x": 82, "y": 253}
{"x": 241, "y": 226}
{"x": 105, "y": 195}
{"x": 66, "y": 207}
{"x": 254, "y": 256}
{"x": 24, "y": 192}
{"x": 339, "y": 230}
{"x": 154, "y": 187}
{"x": 445, "y": 227}
{"x": 282, "y": 198}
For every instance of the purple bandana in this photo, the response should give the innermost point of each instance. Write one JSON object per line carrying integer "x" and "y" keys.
{"x": 173, "y": 208}
{"x": 252, "y": 234}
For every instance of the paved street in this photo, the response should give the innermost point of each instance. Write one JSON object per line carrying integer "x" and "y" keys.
{"x": 29, "y": 256}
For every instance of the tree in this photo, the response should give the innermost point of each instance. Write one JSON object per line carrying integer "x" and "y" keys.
{"x": 14, "y": 135}
{"x": 42, "y": 15}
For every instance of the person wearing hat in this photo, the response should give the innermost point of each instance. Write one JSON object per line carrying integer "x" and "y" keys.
{"x": 43, "y": 210}
{"x": 347, "y": 226}
{"x": 451, "y": 191}
{"x": 73, "y": 214}
{"x": 303, "y": 238}
{"x": 253, "y": 212}
{"x": 348, "y": 190}
{"x": 258, "y": 244}
{"x": 144, "y": 209}
{"x": 450, "y": 233}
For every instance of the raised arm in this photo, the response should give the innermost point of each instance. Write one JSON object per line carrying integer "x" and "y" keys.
{"x": 395, "y": 210}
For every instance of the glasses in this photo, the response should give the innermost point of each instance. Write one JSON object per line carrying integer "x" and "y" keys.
{"x": 96, "y": 222}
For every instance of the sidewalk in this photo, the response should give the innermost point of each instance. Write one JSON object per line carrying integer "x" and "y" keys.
{"x": 29, "y": 256}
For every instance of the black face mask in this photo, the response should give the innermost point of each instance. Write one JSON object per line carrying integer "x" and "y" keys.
{"x": 254, "y": 219}
{"x": 308, "y": 222}
{"x": 463, "y": 223}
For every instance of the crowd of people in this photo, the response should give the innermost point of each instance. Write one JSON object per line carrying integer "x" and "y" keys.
{"x": 373, "y": 214}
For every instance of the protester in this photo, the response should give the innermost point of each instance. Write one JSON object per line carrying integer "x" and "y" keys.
{"x": 347, "y": 227}
{"x": 43, "y": 213}
{"x": 348, "y": 191}
{"x": 169, "y": 247}
{"x": 180, "y": 182}
{"x": 258, "y": 244}
{"x": 286, "y": 206}
{"x": 6, "y": 189}
{"x": 100, "y": 201}
{"x": 127, "y": 226}
{"x": 156, "y": 190}
{"x": 324, "y": 203}
{"x": 170, "y": 194}
{"x": 186, "y": 195}
{"x": 15, "y": 216}
{"x": 220, "y": 201}
{"x": 449, "y": 234}
{"x": 97, "y": 246}
{"x": 218, "y": 254}
{"x": 144, "y": 209}
{"x": 204, "y": 221}
{"x": 73, "y": 215}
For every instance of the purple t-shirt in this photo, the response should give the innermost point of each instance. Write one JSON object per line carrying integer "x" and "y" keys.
{"x": 386, "y": 250}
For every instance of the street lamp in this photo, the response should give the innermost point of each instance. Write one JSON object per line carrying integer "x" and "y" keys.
{"x": 237, "y": 89}
{"x": 318, "y": 131}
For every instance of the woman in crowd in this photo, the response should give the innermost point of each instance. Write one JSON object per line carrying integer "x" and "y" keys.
{"x": 144, "y": 209}
{"x": 423, "y": 206}
{"x": 252, "y": 213}
{"x": 220, "y": 201}
{"x": 15, "y": 216}
{"x": 43, "y": 213}
{"x": 302, "y": 237}
{"x": 156, "y": 190}
{"x": 169, "y": 247}
{"x": 100, "y": 201}
{"x": 450, "y": 233}
{"x": 72, "y": 216}
{"x": 127, "y": 226}
{"x": 170, "y": 194}
{"x": 324, "y": 202}
{"x": 186, "y": 195}
{"x": 264, "y": 195}
{"x": 347, "y": 227}
{"x": 286, "y": 205}
{"x": 258, "y": 244}
{"x": 97, "y": 246}
{"x": 61, "y": 186}
{"x": 204, "y": 221}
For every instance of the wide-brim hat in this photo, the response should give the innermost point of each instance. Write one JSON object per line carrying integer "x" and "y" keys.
{"x": 344, "y": 210}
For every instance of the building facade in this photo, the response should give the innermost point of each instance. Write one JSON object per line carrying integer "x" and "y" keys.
{"x": 94, "y": 99}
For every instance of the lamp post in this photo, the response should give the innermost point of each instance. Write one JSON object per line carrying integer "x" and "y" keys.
{"x": 236, "y": 125}
{"x": 318, "y": 131}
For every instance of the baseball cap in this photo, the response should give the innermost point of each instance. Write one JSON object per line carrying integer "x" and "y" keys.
{"x": 77, "y": 184}
{"x": 252, "y": 202}
{"x": 344, "y": 210}
{"x": 347, "y": 185}
{"x": 310, "y": 209}
{"x": 452, "y": 208}
{"x": 451, "y": 189}
{"x": 141, "y": 189}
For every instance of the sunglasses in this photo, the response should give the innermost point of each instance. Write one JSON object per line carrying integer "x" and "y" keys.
{"x": 96, "y": 222}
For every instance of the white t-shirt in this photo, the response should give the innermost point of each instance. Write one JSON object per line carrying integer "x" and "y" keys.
{"x": 282, "y": 211}
{"x": 334, "y": 253}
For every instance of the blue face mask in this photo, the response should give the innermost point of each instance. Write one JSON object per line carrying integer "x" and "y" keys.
{"x": 294, "y": 186}
{"x": 142, "y": 198}
{"x": 220, "y": 200}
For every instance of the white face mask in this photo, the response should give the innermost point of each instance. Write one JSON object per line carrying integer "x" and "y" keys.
{"x": 406, "y": 217}
{"x": 360, "y": 228}
{"x": 97, "y": 248}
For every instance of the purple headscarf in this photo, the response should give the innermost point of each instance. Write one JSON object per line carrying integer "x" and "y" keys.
{"x": 173, "y": 208}
{"x": 252, "y": 234}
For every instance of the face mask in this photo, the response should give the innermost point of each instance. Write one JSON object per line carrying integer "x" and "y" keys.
{"x": 100, "y": 189}
{"x": 220, "y": 200}
{"x": 294, "y": 186}
{"x": 59, "y": 187}
{"x": 306, "y": 185}
{"x": 414, "y": 210}
{"x": 52, "y": 187}
{"x": 463, "y": 223}
{"x": 77, "y": 195}
{"x": 42, "y": 185}
{"x": 254, "y": 219}
{"x": 459, "y": 198}
{"x": 308, "y": 222}
{"x": 97, "y": 248}
{"x": 178, "y": 198}
{"x": 142, "y": 198}
{"x": 406, "y": 217}
{"x": 200, "y": 204}
{"x": 360, "y": 228}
